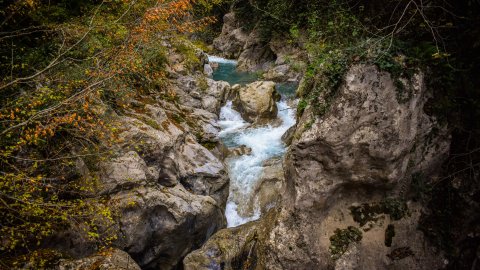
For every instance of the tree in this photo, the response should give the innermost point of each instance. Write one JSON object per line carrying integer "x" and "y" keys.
{"x": 63, "y": 64}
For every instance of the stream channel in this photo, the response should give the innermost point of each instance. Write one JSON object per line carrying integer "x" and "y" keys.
{"x": 265, "y": 142}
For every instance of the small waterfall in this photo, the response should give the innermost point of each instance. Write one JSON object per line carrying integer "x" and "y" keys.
{"x": 220, "y": 60}
{"x": 244, "y": 171}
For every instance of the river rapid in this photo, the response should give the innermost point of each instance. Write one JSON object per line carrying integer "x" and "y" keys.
{"x": 265, "y": 142}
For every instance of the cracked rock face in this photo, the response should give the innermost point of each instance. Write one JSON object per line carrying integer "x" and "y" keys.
{"x": 369, "y": 136}
{"x": 166, "y": 190}
{"x": 364, "y": 149}
{"x": 232, "y": 39}
{"x": 170, "y": 192}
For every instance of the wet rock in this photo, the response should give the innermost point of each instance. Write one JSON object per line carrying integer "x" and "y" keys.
{"x": 268, "y": 190}
{"x": 239, "y": 151}
{"x": 256, "y": 102}
{"x": 207, "y": 70}
{"x": 107, "y": 260}
{"x": 287, "y": 137}
{"x": 228, "y": 249}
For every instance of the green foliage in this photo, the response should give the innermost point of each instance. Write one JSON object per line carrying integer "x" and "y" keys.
{"x": 342, "y": 238}
{"x": 396, "y": 208}
{"x": 187, "y": 51}
{"x": 215, "y": 8}
{"x": 202, "y": 83}
{"x": 302, "y": 105}
{"x": 64, "y": 66}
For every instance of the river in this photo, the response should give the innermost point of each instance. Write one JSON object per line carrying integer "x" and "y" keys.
{"x": 265, "y": 142}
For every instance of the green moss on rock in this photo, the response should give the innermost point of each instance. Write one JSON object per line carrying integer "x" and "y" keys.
{"x": 342, "y": 238}
{"x": 209, "y": 145}
{"x": 365, "y": 213}
{"x": 400, "y": 253}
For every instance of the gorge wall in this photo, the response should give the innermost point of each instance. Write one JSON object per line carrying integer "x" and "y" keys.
{"x": 358, "y": 168}
{"x": 347, "y": 202}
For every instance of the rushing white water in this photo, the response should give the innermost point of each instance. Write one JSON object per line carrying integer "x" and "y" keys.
{"x": 245, "y": 171}
{"x": 217, "y": 59}
{"x": 265, "y": 142}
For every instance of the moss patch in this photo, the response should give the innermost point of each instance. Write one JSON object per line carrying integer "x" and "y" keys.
{"x": 177, "y": 118}
{"x": 342, "y": 238}
{"x": 202, "y": 84}
{"x": 365, "y": 213}
{"x": 302, "y": 105}
{"x": 209, "y": 145}
{"x": 400, "y": 253}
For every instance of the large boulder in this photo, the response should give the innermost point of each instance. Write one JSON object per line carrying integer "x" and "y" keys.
{"x": 256, "y": 102}
{"x": 371, "y": 135}
{"x": 201, "y": 93}
{"x": 214, "y": 96}
{"x": 125, "y": 172}
{"x": 159, "y": 226}
{"x": 112, "y": 259}
{"x": 201, "y": 172}
{"x": 228, "y": 249}
{"x": 231, "y": 41}
{"x": 239, "y": 151}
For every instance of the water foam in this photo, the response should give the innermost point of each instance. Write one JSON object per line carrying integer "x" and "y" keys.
{"x": 245, "y": 171}
{"x": 218, "y": 59}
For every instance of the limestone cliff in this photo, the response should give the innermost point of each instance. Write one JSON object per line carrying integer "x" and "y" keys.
{"x": 347, "y": 177}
